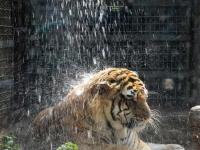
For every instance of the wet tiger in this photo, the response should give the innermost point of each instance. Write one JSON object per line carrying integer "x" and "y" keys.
{"x": 106, "y": 112}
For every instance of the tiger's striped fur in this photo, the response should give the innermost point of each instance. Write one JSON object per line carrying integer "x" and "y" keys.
{"x": 106, "y": 112}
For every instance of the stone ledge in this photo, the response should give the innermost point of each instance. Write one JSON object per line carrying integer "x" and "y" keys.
{"x": 154, "y": 146}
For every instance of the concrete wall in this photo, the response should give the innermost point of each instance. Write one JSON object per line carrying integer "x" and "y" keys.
{"x": 6, "y": 58}
{"x": 195, "y": 56}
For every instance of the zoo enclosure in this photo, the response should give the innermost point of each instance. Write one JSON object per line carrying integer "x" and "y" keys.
{"x": 54, "y": 40}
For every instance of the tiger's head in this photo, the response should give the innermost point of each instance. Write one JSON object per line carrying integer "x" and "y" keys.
{"x": 120, "y": 98}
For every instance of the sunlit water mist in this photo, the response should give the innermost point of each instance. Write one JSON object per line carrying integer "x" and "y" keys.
{"x": 68, "y": 37}
{"x": 67, "y": 40}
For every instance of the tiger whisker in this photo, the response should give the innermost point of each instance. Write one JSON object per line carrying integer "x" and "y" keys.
{"x": 154, "y": 121}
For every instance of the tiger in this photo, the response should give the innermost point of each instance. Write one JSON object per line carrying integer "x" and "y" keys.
{"x": 108, "y": 112}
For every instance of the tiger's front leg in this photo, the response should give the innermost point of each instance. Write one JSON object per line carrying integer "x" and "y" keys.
{"x": 102, "y": 147}
{"x": 142, "y": 146}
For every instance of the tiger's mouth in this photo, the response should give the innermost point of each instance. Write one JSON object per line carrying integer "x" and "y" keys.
{"x": 133, "y": 123}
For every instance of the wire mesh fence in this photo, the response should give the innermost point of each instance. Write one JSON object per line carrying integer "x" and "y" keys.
{"x": 156, "y": 43}
{"x": 67, "y": 38}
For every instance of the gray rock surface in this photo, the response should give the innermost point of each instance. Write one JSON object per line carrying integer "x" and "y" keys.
{"x": 194, "y": 116}
{"x": 154, "y": 146}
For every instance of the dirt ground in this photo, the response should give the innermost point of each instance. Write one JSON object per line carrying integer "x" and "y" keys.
{"x": 173, "y": 129}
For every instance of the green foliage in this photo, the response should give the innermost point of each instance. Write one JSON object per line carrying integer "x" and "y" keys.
{"x": 8, "y": 143}
{"x": 68, "y": 146}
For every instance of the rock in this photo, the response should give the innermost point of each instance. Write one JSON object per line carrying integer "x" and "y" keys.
{"x": 194, "y": 116}
{"x": 154, "y": 146}
{"x": 194, "y": 123}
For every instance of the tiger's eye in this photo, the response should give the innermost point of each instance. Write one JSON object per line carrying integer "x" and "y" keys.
{"x": 112, "y": 81}
{"x": 129, "y": 87}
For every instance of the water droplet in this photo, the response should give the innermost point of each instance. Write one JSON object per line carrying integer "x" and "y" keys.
{"x": 94, "y": 60}
{"x": 28, "y": 113}
{"x": 39, "y": 98}
{"x": 70, "y": 12}
{"x": 103, "y": 53}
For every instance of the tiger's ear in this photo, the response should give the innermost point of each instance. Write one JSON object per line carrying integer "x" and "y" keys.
{"x": 102, "y": 88}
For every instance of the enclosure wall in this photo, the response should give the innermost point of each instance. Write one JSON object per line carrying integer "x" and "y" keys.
{"x": 6, "y": 59}
{"x": 195, "y": 56}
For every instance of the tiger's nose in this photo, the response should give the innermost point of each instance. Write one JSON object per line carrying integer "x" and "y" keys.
{"x": 143, "y": 117}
